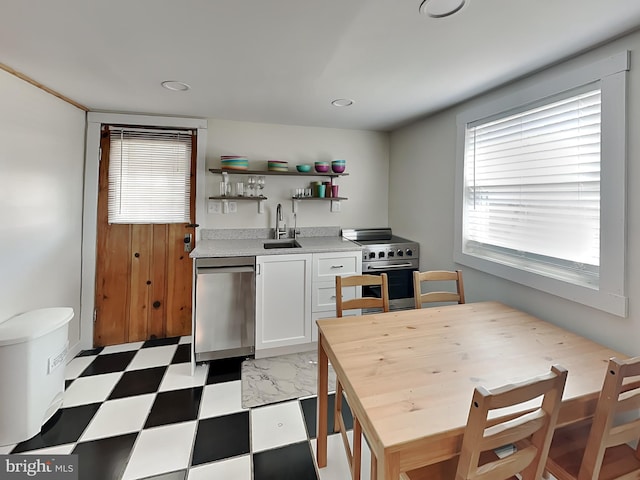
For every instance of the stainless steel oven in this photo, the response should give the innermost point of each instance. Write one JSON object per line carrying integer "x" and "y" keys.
{"x": 384, "y": 252}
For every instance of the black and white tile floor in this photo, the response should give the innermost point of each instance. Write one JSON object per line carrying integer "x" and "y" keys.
{"x": 134, "y": 411}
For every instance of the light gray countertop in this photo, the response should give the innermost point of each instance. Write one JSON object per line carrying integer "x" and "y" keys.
{"x": 255, "y": 246}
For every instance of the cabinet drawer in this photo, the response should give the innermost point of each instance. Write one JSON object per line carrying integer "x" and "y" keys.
{"x": 327, "y": 266}
{"x": 323, "y": 296}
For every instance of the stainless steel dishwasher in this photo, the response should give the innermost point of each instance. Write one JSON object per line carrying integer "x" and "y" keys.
{"x": 225, "y": 307}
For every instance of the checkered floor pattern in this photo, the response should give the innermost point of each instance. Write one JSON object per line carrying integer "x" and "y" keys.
{"x": 134, "y": 411}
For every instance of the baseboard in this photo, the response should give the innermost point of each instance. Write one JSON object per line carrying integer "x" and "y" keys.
{"x": 273, "y": 352}
{"x": 74, "y": 350}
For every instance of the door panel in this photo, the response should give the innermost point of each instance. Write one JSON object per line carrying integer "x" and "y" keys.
{"x": 157, "y": 292}
{"x": 138, "y": 289}
{"x": 143, "y": 274}
{"x": 179, "y": 280}
{"x": 112, "y": 272}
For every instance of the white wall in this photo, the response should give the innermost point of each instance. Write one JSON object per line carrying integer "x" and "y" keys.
{"x": 41, "y": 177}
{"x": 422, "y": 184}
{"x": 366, "y": 186}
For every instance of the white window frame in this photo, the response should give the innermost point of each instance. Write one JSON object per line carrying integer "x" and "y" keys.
{"x": 611, "y": 295}
{"x": 162, "y": 160}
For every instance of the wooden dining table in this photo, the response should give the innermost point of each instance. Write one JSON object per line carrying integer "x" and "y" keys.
{"x": 409, "y": 375}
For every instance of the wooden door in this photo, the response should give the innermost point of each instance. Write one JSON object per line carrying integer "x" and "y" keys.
{"x": 143, "y": 273}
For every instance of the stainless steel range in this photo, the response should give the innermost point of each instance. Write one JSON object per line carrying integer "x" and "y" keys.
{"x": 384, "y": 252}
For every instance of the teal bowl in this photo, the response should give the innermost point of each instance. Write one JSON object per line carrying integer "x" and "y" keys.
{"x": 304, "y": 168}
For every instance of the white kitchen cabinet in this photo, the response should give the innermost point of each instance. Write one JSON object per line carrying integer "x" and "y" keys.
{"x": 326, "y": 266}
{"x": 283, "y": 302}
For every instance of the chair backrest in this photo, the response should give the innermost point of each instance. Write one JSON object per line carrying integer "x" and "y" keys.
{"x": 362, "y": 302}
{"x": 432, "y": 297}
{"x": 533, "y": 431}
{"x": 620, "y": 395}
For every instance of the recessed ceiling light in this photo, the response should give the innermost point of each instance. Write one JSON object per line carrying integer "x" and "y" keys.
{"x": 175, "y": 86}
{"x": 342, "y": 102}
{"x": 440, "y": 8}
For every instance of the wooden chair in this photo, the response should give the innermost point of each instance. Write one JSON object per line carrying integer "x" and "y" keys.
{"x": 362, "y": 302}
{"x": 382, "y": 303}
{"x": 531, "y": 431}
{"x": 599, "y": 449}
{"x": 432, "y": 297}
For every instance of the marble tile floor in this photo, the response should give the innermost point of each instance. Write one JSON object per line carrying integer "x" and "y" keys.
{"x": 134, "y": 411}
{"x": 285, "y": 377}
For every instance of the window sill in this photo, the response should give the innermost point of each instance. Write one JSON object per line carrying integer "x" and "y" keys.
{"x": 590, "y": 296}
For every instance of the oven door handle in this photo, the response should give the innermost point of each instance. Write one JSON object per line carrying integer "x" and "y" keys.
{"x": 387, "y": 267}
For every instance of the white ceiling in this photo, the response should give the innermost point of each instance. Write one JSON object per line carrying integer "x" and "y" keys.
{"x": 283, "y": 61}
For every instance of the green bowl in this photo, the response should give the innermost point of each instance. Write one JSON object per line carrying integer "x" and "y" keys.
{"x": 303, "y": 168}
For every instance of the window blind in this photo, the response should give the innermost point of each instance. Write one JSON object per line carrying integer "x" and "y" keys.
{"x": 532, "y": 187}
{"x": 149, "y": 176}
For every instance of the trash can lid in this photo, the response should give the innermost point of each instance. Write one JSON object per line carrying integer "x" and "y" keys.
{"x": 33, "y": 324}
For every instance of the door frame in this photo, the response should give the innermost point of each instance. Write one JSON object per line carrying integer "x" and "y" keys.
{"x": 95, "y": 121}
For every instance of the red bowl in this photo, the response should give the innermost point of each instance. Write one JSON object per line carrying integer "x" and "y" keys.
{"x": 338, "y": 168}
{"x": 322, "y": 168}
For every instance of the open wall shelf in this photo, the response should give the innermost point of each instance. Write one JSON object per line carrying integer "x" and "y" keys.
{"x": 336, "y": 199}
{"x": 269, "y": 172}
{"x": 234, "y": 198}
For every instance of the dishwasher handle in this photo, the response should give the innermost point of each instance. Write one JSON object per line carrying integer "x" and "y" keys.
{"x": 214, "y": 270}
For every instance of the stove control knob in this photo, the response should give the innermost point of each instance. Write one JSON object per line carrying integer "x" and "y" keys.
{"x": 372, "y": 254}
{"x": 409, "y": 252}
{"x": 400, "y": 253}
{"x": 390, "y": 254}
{"x": 380, "y": 254}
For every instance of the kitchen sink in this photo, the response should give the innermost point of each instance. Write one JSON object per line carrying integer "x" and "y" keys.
{"x": 282, "y": 244}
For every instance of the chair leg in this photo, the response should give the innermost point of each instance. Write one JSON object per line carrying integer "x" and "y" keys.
{"x": 374, "y": 467}
{"x": 337, "y": 410}
{"x": 354, "y": 455}
{"x": 357, "y": 449}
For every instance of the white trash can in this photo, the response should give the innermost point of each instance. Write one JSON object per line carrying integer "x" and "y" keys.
{"x": 33, "y": 353}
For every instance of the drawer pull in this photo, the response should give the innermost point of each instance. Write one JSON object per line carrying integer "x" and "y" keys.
{"x": 332, "y": 297}
{"x": 337, "y": 266}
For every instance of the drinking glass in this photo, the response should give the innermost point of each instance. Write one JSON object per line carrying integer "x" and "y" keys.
{"x": 260, "y": 182}
{"x": 252, "y": 185}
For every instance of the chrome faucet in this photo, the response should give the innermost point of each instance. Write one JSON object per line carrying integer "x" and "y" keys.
{"x": 295, "y": 225}
{"x": 280, "y": 232}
